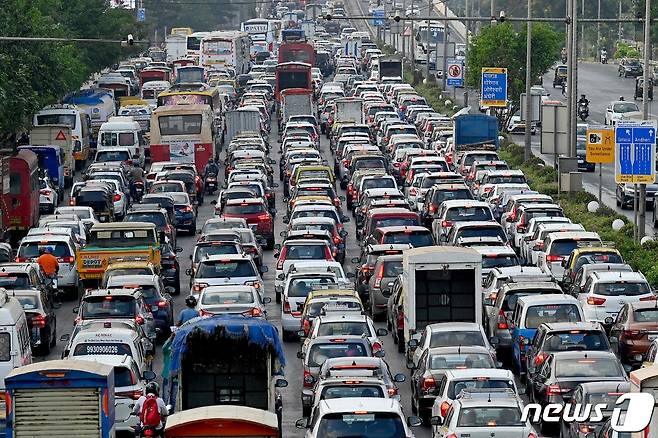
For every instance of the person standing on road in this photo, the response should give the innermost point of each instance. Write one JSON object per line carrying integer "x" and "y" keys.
{"x": 189, "y": 312}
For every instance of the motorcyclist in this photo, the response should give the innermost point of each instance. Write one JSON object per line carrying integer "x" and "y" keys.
{"x": 152, "y": 388}
{"x": 135, "y": 174}
{"x": 211, "y": 169}
{"x": 48, "y": 262}
{"x": 189, "y": 312}
{"x": 563, "y": 54}
{"x": 583, "y": 101}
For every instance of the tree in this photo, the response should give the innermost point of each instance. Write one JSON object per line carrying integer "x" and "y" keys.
{"x": 502, "y": 46}
{"x": 206, "y": 15}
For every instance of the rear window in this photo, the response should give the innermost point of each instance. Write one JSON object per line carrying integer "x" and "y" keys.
{"x": 499, "y": 261}
{"x": 469, "y": 159}
{"x": 483, "y": 232}
{"x": 379, "y": 183}
{"x": 576, "y": 340}
{"x": 31, "y": 250}
{"x": 226, "y": 269}
{"x": 245, "y": 208}
{"x": 301, "y": 287}
{"x": 343, "y": 328}
{"x": 463, "y": 214}
{"x": 393, "y": 268}
{"x": 447, "y": 195}
{"x": 109, "y": 307}
{"x": 587, "y": 368}
{"x": 318, "y": 353}
{"x": 490, "y": 417}
{"x": 204, "y": 251}
{"x": 460, "y": 361}
{"x": 621, "y": 289}
{"x": 393, "y": 222}
{"x": 511, "y": 179}
{"x": 5, "y": 347}
{"x": 481, "y": 383}
{"x": 232, "y": 297}
{"x": 564, "y": 247}
{"x": 305, "y": 252}
{"x": 646, "y": 315}
{"x": 158, "y": 219}
{"x": 347, "y": 391}
{"x": 123, "y": 377}
{"x": 15, "y": 281}
{"x": 105, "y": 156}
{"x": 537, "y": 315}
{"x": 414, "y": 238}
{"x": 93, "y": 348}
{"x": 454, "y": 339}
{"x": 603, "y": 257}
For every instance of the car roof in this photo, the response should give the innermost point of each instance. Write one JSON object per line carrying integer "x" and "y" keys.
{"x": 613, "y": 277}
{"x": 349, "y": 405}
{"x": 548, "y": 299}
{"x": 401, "y": 228}
{"x": 137, "y": 279}
{"x": 502, "y": 250}
{"x": 508, "y": 271}
{"x": 453, "y": 326}
{"x": 580, "y": 325}
{"x": 464, "y": 349}
{"x": 594, "y": 354}
{"x": 574, "y": 235}
{"x": 597, "y": 387}
{"x": 464, "y": 203}
{"x": 469, "y": 373}
{"x": 347, "y": 316}
{"x": 228, "y": 257}
{"x": 475, "y": 224}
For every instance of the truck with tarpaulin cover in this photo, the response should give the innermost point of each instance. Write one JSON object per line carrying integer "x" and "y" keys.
{"x": 72, "y": 398}
{"x": 295, "y": 102}
{"x": 204, "y": 374}
{"x": 222, "y": 421}
{"x": 475, "y": 131}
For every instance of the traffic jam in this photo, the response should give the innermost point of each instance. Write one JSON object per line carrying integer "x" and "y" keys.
{"x": 289, "y": 241}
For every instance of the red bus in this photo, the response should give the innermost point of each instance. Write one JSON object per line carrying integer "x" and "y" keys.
{"x": 297, "y": 52}
{"x": 21, "y": 204}
{"x": 293, "y": 75}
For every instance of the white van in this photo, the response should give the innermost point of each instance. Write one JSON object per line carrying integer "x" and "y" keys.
{"x": 74, "y": 116}
{"x": 124, "y": 132}
{"x": 15, "y": 350}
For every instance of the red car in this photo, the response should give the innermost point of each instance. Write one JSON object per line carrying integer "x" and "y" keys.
{"x": 255, "y": 212}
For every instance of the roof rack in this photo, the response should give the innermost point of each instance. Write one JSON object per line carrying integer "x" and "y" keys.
{"x": 486, "y": 393}
{"x": 591, "y": 244}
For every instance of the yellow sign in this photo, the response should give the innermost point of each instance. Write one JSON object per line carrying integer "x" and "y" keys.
{"x": 600, "y": 145}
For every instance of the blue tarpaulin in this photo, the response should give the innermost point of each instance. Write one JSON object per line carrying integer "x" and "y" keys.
{"x": 253, "y": 331}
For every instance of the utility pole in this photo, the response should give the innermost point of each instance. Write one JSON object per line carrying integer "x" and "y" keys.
{"x": 598, "y": 31}
{"x": 572, "y": 85}
{"x": 645, "y": 112}
{"x": 570, "y": 107}
{"x": 493, "y": 8}
{"x": 528, "y": 86}
{"x": 582, "y": 29}
{"x": 619, "y": 17}
{"x": 427, "y": 48}
{"x": 446, "y": 32}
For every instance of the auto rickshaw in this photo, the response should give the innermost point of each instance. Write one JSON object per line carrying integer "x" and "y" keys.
{"x": 560, "y": 75}
{"x": 639, "y": 85}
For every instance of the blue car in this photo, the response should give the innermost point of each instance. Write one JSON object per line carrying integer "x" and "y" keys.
{"x": 533, "y": 310}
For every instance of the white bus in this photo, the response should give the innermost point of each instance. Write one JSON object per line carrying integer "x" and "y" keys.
{"x": 261, "y": 31}
{"x": 226, "y": 49}
{"x": 436, "y": 36}
{"x": 193, "y": 43}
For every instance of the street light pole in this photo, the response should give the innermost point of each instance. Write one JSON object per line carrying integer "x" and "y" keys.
{"x": 598, "y": 30}
{"x": 528, "y": 86}
{"x": 446, "y": 31}
{"x": 427, "y": 47}
{"x": 645, "y": 112}
{"x": 573, "y": 84}
{"x": 570, "y": 32}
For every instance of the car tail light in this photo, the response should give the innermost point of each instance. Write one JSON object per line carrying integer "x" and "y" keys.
{"x": 264, "y": 217}
{"x": 135, "y": 395}
{"x": 376, "y": 346}
{"x": 308, "y": 379}
{"x": 38, "y": 321}
{"x": 540, "y": 245}
{"x": 45, "y": 192}
{"x": 556, "y": 389}
{"x": 649, "y": 298}
{"x": 282, "y": 258}
{"x": 199, "y": 287}
{"x": 20, "y": 259}
{"x": 428, "y": 383}
{"x": 595, "y": 301}
{"x": 502, "y": 322}
{"x": 554, "y": 258}
{"x": 139, "y": 320}
{"x": 413, "y": 191}
{"x": 446, "y": 224}
{"x": 346, "y": 163}
{"x": 444, "y": 408}
{"x": 432, "y": 209}
{"x": 286, "y": 307}
{"x": 162, "y": 304}
{"x": 255, "y": 311}
{"x": 392, "y": 392}
{"x": 149, "y": 432}
{"x": 72, "y": 201}
{"x": 338, "y": 240}
{"x": 540, "y": 358}
{"x": 186, "y": 209}
{"x": 205, "y": 313}
{"x": 117, "y": 198}
{"x": 379, "y": 276}
{"x": 452, "y": 435}
{"x": 67, "y": 259}
{"x": 532, "y": 435}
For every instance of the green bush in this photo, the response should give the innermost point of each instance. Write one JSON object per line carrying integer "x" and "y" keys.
{"x": 626, "y": 51}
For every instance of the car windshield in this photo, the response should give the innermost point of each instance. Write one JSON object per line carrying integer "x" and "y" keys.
{"x": 301, "y": 287}
{"x": 305, "y": 252}
{"x": 480, "y": 383}
{"x": 109, "y": 306}
{"x": 564, "y": 247}
{"x": 626, "y": 107}
{"x": 448, "y": 195}
{"x": 490, "y": 417}
{"x": 463, "y": 214}
{"x": 414, "y": 238}
{"x": 362, "y": 425}
{"x": 227, "y": 297}
{"x": 458, "y": 361}
{"x": 537, "y": 315}
{"x": 244, "y": 208}
{"x": 348, "y": 391}
{"x": 646, "y": 315}
{"x": 576, "y": 340}
{"x": 499, "y": 261}
{"x": 339, "y": 328}
{"x": 588, "y": 367}
{"x": 456, "y": 338}
{"x": 15, "y": 281}
{"x": 226, "y": 269}
{"x": 621, "y": 288}
{"x": 318, "y": 353}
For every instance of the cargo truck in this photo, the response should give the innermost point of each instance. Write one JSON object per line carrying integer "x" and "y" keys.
{"x": 439, "y": 284}
{"x": 227, "y": 360}
{"x": 241, "y": 120}
{"x": 390, "y": 66}
{"x": 73, "y": 398}
{"x": 57, "y": 135}
{"x": 349, "y": 109}
{"x": 176, "y": 47}
{"x": 295, "y": 102}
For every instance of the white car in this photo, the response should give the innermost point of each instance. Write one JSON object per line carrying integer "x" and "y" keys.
{"x": 557, "y": 247}
{"x": 48, "y": 196}
{"x": 621, "y": 110}
{"x": 517, "y": 126}
{"x": 348, "y": 323}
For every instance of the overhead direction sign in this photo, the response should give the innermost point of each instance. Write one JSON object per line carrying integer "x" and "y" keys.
{"x": 455, "y": 72}
{"x": 378, "y": 17}
{"x": 635, "y": 152}
{"x": 494, "y": 87}
{"x": 600, "y": 147}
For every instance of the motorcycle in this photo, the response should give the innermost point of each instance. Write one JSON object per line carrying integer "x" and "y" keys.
{"x": 604, "y": 57}
{"x": 139, "y": 190}
{"x": 583, "y": 111}
{"x": 211, "y": 184}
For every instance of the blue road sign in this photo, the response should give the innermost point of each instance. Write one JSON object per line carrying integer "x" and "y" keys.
{"x": 378, "y": 17}
{"x": 141, "y": 14}
{"x": 494, "y": 87}
{"x": 635, "y": 152}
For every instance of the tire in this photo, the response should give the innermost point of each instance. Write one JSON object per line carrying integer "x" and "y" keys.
{"x": 270, "y": 244}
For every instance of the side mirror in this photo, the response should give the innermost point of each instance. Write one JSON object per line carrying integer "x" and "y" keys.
{"x": 302, "y": 423}
{"x": 300, "y": 355}
{"x": 345, "y": 219}
{"x": 190, "y": 258}
{"x": 436, "y": 421}
{"x": 537, "y": 247}
{"x": 267, "y": 300}
{"x": 355, "y": 260}
{"x": 76, "y": 309}
{"x": 188, "y": 272}
{"x": 488, "y": 302}
{"x": 564, "y": 263}
{"x": 277, "y": 247}
{"x": 413, "y": 343}
{"x": 380, "y": 353}
{"x": 281, "y": 383}
{"x": 509, "y": 219}
{"x": 301, "y": 333}
{"x": 178, "y": 249}
{"x": 170, "y": 290}
{"x": 213, "y": 202}
{"x": 286, "y": 219}
{"x": 283, "y": 234}
{"x": 275, "y": 185}
{"x": 342, "y": 198}
{"x": 399, "y": 378}
{"x": 148, "y": 375}
{"x": 494, "y": 340}
{"x": 525, "y": 341}
{"x": 263, "y": 269}
{"x": 608, "y": 320}
{"x": 343, "y": 234}
{"x": 65, "y": 338}
{"x": 351, "y": 275}
{"x": 382, "y": 332}
{"x": 638, "y": 358}
{"x": 414, "y": 421}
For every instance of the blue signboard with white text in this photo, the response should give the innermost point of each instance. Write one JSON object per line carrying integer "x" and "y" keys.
{"x": 378, "y": 17}
{"x": 635, "y": 152}
{"x": 494, "y": 87}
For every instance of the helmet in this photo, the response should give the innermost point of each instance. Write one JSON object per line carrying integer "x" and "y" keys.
{"x": 152, "y": 388}
{"x": 190, "y": 301}
{"x": 582, "y": 96}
